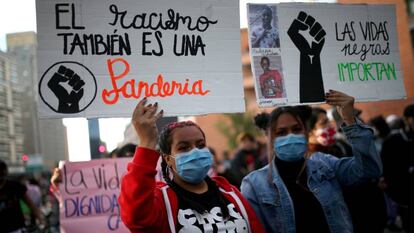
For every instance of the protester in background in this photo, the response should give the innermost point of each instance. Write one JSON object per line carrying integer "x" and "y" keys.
{"x": 381, "y": 131}
{"x": 398, "y": 158}
{"x": 223, "y": 168}
{"x": 246, "y": 159}
{"x": 213, "y": 169}
{"x": 127, "y": 151}
{"x": 50, "y": 207}
{"x": 300, "y": 193}
{"x": 114, "y": 153}
{"x": 322, "y": 135}
{"x": 33, "y": 190}
{"x": 190, "y": 201}
{"x": 35, "y": 195}
{"x": 11, "y": 192}
{"x": 395, "y": 122}
{"x": 365, "y": 202}
{"x": 262, "y": 152}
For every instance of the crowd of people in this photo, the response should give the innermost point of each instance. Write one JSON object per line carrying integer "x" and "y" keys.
{"x": 313, "y": 171}
{"x": 319, "y": 177}
{"x": 26, "y": 205}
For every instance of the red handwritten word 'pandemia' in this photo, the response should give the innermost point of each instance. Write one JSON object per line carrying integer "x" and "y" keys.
{"x": 134, "y": 89}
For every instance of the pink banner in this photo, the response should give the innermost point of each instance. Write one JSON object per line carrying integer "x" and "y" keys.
{"x": 89, "y": 196}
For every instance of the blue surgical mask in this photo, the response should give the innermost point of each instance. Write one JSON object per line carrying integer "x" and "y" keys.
{"x": 291, "y": 147}
{"x": 193, "y": 166}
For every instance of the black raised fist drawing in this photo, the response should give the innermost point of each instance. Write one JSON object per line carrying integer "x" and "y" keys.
{"x": 311, "y": 82}
{"x": 68, "y": 100}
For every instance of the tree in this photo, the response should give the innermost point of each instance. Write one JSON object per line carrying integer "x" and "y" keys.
{"x": 239, "y": 122}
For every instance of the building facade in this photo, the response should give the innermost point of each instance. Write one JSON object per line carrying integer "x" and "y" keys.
{"x": 43, "y": 138}
{"x": 11, "y": 130}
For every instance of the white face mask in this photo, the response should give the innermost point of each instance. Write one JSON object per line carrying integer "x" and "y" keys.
{"x": 326, "y": 136}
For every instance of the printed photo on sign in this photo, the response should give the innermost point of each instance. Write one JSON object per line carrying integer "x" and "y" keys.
{"x": 269, "y": 79}
{"x": 263, "y": 26}
{"x": 265, "y": 54}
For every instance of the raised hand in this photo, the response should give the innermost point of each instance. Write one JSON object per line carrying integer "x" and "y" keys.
{"x": 144, "y": 119}
{"x": 68, "y": 100}
{"x": 56, "y": 178}
{"x": 343, "y": 103}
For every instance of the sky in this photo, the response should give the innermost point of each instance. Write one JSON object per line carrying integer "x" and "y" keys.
{"x": 19, "y": 16}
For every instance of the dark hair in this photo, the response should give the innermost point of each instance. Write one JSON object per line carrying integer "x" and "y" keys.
{"x": 311, "y": 122}
{"x": 165, "y": 139}
{"x": 127, "y": 150}
{"x": 264, "y": 120}
{"x": 114, "y": 153}
{"x": 264, "y": 58}
{"x": 381, "y": 125}
{"x": 3, "y": 166}
{"x": 164, "y": 143}
{"x": 261, "y": 120}
{"x": 267, "y": 10}
{"x": 397, "y": 123}
{"x": 245, "y": 136}
{"x": 305, "y": 113}
{"x": 409, "y": 111}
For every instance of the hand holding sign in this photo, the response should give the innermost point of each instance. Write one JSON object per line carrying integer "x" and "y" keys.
{"x": 56, "y": 178}
{"x": 68, "y": 100}
{"x": 144, "y": 120}
{"x": 344, "y": 104}
{"x": 311, "y": 83}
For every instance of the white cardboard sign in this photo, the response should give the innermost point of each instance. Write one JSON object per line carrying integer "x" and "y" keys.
{"x": 98, "y": 58}
{"x": 299, "y": 51}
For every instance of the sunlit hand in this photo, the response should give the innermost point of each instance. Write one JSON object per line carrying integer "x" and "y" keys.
{"x": 343, "y": 103}
{"x": 56, "y": 177}
{"x": 145, "y": 119}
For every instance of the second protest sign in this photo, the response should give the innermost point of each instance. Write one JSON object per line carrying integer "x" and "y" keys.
{"x": 300, "y": 51}
{"x": 97, "y": 58}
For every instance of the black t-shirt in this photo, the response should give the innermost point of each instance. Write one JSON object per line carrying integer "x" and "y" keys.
{"x": 11, "y": 216}
{"x": 191, "y": 221}
{"x": 309, "y": 216}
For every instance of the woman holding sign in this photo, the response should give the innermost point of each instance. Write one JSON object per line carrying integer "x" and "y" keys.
{"x": 297, "y": 192}
{"x": 190, "y": 201}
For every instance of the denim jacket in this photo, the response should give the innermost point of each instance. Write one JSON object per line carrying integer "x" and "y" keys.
{"x": 326, "y": 174}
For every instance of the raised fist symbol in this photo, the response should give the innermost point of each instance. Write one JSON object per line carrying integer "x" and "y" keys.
{"x": 68, "y": 99}
{"x": 311, "y": 82}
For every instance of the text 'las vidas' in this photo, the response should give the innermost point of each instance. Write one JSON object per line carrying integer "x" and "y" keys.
{"x": 128, "y": 87}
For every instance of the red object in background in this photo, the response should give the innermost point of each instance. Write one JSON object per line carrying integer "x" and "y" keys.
{"x": 25, "y": 158}
{"x": 102, "y": 149}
